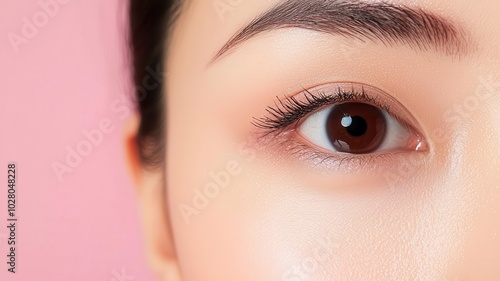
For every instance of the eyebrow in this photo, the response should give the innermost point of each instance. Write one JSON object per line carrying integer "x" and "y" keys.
{"x": 382, "y": 22}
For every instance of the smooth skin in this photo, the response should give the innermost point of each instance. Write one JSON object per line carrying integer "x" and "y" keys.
{"x": 231, "y": 206}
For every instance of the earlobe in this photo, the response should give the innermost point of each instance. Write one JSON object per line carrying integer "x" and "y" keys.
{"x": 130, "y": 130}
{"x": 151, "y": 194}
{"x": 159, "y": 242}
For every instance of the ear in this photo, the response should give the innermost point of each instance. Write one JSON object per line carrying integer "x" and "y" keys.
{"x": 150, "y": 191}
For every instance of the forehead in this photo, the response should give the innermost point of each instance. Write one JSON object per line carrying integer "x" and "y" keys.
{"x": 213, "y": 23}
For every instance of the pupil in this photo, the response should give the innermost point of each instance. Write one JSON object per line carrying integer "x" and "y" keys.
{"x": 357, "y": 126}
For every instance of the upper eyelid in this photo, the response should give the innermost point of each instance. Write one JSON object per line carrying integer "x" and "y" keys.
{"x": 274, "y": 126}
{"x": 286, "y": 138}
{"x": 285, "y": 106}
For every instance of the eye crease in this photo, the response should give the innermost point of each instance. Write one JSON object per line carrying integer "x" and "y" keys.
{"x": 344, "y": 118}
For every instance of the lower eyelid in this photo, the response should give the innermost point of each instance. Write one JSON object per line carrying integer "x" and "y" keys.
{"x": 290, "y": 148}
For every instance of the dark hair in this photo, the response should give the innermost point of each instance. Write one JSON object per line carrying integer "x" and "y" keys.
{"x": 150, "y": 21}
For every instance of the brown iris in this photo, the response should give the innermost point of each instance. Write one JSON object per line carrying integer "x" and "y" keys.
{"x": 356, "y": 127}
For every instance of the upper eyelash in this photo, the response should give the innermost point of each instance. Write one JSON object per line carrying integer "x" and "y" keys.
{"x": 291, "y": 110}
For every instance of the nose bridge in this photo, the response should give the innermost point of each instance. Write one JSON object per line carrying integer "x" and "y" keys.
{"x": 477, "y": 143}
{"x": 482, "y": 137}
{"x": 474, "y": 126}
{"x": 481, "y": 249}
{"x": 472, "y": 148}
{"x": 478, "y": 150}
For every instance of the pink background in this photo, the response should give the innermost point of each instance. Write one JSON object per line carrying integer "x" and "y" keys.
{"x": 66, "y": 79}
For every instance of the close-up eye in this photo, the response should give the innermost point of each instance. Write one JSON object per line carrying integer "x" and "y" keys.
{"x": 257, "y": 140}
{"x": 354, "y": 127}
{"x": 346, "y": 118}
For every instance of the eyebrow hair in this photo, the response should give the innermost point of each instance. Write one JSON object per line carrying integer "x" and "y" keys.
{"x": 384, "y": 22}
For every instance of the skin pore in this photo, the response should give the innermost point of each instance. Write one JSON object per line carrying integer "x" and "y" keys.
{"x": 248, "y": 195}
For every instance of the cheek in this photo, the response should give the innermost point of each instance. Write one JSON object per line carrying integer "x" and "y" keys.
{"x": 299, "y": 233}
{"x": 208, "y": 208}
{"x": 238, "y": 215}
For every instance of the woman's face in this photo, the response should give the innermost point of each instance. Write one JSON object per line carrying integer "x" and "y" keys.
{"x": 377, "y": 157}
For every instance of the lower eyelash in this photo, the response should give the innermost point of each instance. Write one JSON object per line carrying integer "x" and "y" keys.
{"x": 339, "y": 162}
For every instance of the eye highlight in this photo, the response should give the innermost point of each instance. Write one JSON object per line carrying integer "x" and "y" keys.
{"x": 343, "y": 119}
{"x": 356, "y": 128}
